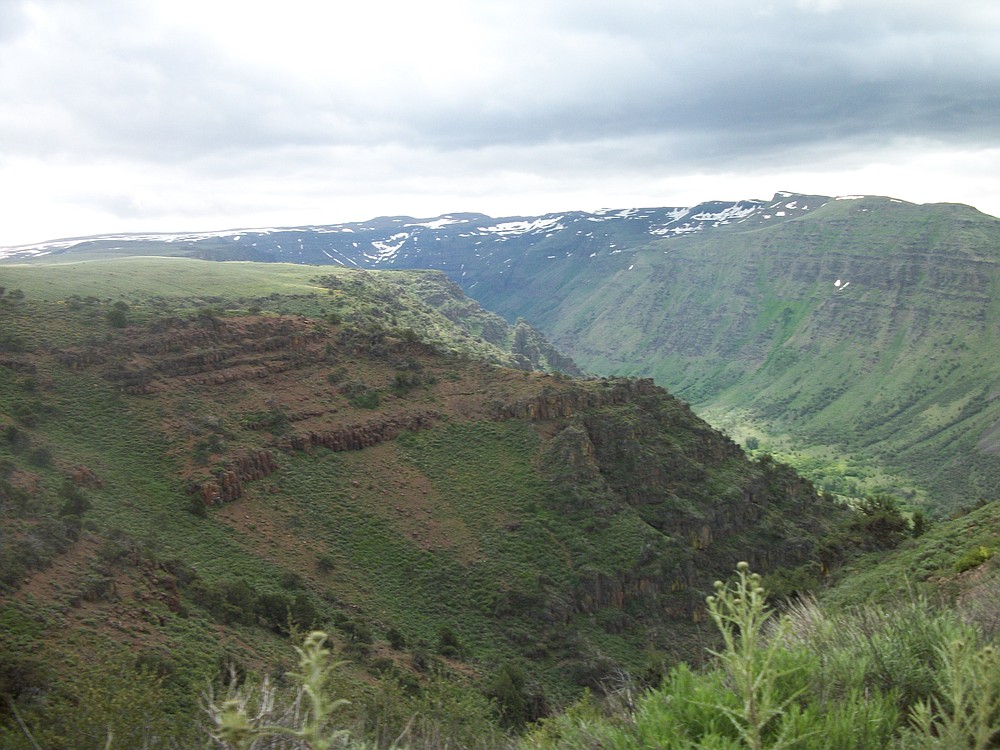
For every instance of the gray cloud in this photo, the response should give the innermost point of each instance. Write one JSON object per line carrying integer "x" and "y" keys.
{"x": 531, "y": 93}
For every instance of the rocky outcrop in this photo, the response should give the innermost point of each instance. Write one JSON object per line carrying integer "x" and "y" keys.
{"x": 18, "y": 364}
{"x": 77, "y": 359}
{"x": 556, "y": 404}
{"x": 208, "y": 352}
{"x": 704, "y": 504}
{"x": 357, "y": 437}
{"x": 227, "y": 483}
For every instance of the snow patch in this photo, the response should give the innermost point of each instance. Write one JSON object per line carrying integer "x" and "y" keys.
{"x": 388, "y": 249}
{"x": 514, "y": 228}
{"x": 438, "y": 223}
{"x": 736, "y": 211}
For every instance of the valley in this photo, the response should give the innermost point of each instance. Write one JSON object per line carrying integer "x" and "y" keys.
{"x": 854, "y": 338}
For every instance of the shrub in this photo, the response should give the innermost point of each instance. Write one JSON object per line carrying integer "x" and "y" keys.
{"x": 965, "y": 712}
{"x": 396, "y": 639}
{"x": 118, "y": 315}
{"x": 973, "y": 558}
{"x": 247, "y": 715}
{"x": 17, "y": 439}
{"x": 40, "y": 457}
{"x": 755, "y": 665}
{"x": 517, "y": 700}
{"x": 75, "y": 503}
{"x": 448, "y": 643}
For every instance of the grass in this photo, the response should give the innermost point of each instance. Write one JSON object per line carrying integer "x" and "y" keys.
{"x": 936, "y": 555}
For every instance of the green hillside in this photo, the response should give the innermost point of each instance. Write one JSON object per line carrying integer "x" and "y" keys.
{"x": 199, "y": 462}
{"x": 858, "y": 342}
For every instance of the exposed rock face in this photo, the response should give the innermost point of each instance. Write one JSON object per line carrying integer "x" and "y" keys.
{"x": 539, "y": 353}
{"x": 227, "y": 484}
{"x": 361, "y": 436}
{"x": 636, "y": 447}
{"x": 205, "y": 352}
{"x": 554, "y": 404}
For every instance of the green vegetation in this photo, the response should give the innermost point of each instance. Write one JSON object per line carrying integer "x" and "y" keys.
{"x": 809, "y": 678}
{"x": 855, "y": 341}
{"x": 185, "y": 493}
{"x": 183, "y": 496}
{"x": 414, "y": 305}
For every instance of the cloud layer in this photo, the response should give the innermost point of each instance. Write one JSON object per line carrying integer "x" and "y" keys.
{"x": 133, "y": 114}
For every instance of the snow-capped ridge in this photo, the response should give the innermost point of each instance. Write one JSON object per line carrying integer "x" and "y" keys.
{"x": 382, "y": 240}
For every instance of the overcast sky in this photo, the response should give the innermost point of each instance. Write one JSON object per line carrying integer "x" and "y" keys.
{"x": 161, "y": 115}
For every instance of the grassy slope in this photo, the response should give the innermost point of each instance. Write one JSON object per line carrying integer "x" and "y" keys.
{"x": 953, "y": 564}
{"x": 425, "y": 301}
{"x": 531, "y": 538}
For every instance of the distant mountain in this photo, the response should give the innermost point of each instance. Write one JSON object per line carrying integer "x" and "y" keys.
{"x": 858, "y": 337}
{"x": 448, "y": 242}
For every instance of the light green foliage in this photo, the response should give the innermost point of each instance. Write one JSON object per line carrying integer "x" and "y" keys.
{"x": 313, "y": 714}
{"x": 974, "y": 558}
{"x": 741, "y": 613}
{"x": 965, "y": 712}
{"x": 246, "y": 718}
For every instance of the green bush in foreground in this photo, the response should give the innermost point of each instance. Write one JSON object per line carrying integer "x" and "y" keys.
{"x": 248, "y": 716}
{"x": 808, "y": 680}
{"x": 805, "y": 680}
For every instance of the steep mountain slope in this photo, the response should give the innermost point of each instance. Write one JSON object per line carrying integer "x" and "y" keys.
{"x": 191, "y": 483}
{"x": 870, "y": 326}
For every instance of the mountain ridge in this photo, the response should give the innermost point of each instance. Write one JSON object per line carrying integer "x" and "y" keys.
{"x": 662, "y": 221}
